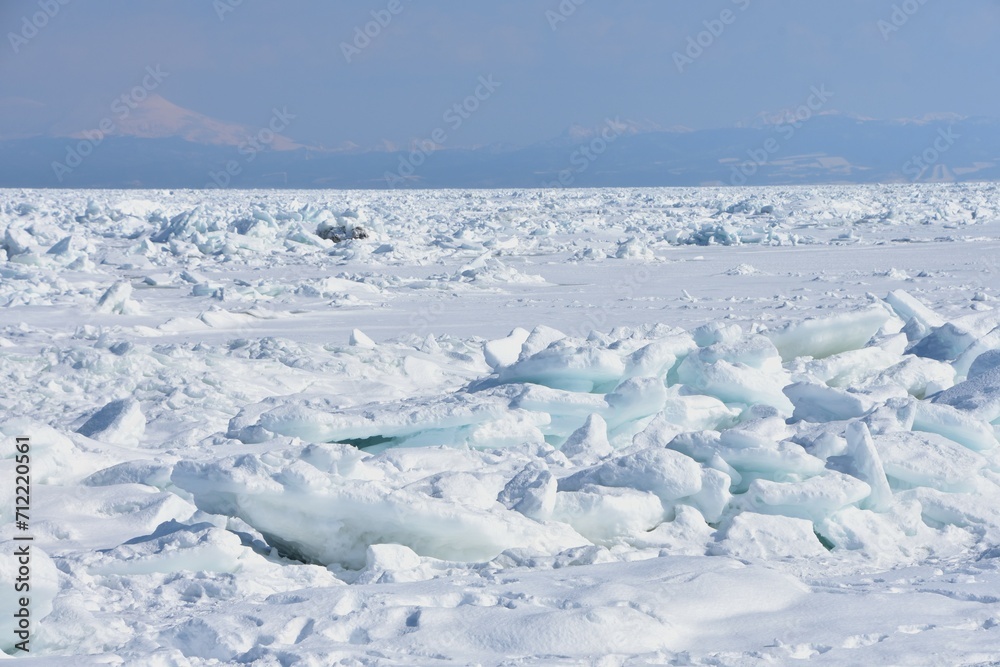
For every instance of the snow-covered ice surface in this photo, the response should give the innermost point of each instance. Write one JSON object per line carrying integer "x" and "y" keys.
{"x": 607, "y": 427}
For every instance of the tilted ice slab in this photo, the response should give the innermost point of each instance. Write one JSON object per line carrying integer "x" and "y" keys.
{"x": 327, "y": 504}
{"x": 456, "y": 417}
{"x": 825, "y": 337}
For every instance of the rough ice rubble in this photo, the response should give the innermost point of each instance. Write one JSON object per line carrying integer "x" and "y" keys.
{"x": 248, "y": 604}
{"x": 604, "y": 440}
{"x": 46, "y": 229}
{"x": 184, "y": 240}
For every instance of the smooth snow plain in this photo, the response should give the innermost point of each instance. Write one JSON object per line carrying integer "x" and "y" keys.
{"x": 583, "y": 427}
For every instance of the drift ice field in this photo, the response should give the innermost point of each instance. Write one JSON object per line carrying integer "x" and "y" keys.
{"x": 583, "y": 427}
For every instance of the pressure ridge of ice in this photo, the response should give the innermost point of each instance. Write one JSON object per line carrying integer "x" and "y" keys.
{"x": 586, "y": 441}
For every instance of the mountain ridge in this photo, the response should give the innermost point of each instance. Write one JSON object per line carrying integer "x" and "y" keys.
{"x": 168, "y": 146}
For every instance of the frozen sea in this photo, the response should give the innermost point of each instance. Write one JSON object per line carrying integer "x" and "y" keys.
{"x": 524, "y": 427}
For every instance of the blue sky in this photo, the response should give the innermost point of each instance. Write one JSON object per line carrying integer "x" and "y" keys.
{"x": 606, "y": 59}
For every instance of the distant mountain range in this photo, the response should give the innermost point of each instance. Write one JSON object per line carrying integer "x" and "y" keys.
{"x": 161, "y": 145}
{"x": 158, "y": 118}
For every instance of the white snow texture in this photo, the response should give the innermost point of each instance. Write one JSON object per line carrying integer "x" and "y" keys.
{"x": 608, "y": 427}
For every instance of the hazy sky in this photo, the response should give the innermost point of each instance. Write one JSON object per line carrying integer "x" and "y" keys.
{"x": 606, "y": 59}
